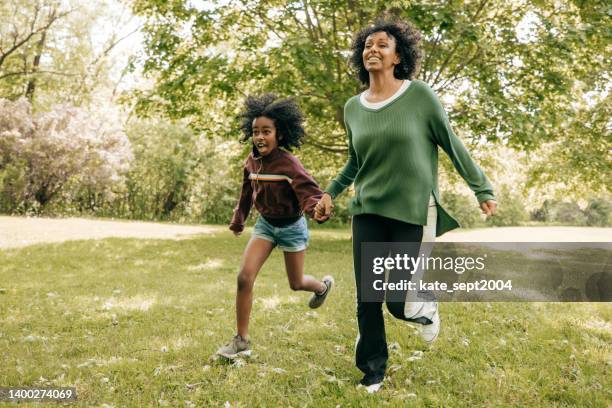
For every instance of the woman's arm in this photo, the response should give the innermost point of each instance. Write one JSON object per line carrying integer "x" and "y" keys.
{"x": 444, "y": 136}
{"x": 347, "y": 174}
{"x": 340, "y": 183}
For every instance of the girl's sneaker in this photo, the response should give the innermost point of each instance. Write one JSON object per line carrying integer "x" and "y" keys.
{"x": 236, "y": 348}
{"x": 318, "y": 299}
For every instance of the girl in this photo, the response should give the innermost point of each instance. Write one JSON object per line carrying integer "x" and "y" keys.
{"x": 276, "y": 182}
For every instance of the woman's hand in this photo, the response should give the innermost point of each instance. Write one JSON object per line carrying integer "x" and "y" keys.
{"x": 489, "y": 207}
{"x": 323, "y": 209}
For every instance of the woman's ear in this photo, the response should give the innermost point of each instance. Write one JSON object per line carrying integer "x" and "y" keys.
{"x": 397, "y": 59}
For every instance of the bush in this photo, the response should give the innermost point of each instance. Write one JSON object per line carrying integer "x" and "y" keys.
{"x": 214, "y": 184}
{"x": 463, "y": 208}
{"x": 511, "y": 210}
{"x": 598, "y": 212}
{"x": 41, "y": 154}
{"x": 569, "y": 213}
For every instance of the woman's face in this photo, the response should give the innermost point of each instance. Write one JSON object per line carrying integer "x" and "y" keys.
{"x": 379, "y": 53}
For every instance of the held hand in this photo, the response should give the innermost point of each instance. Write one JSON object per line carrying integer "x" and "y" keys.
{"x": 489, "y": 207}
{"x": 320, "y": 218}
{"x": 323, "y": 209}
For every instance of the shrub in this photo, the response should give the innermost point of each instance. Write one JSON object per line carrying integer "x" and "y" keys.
{"x": 598, "y": 212}
{"x": 463, "y": 208}
{"x": 40, "y": 154}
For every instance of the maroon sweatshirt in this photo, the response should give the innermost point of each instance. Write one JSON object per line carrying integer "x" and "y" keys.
{"x": 278, "y": 185}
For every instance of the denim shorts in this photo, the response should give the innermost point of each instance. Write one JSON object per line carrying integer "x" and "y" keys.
{"x": 291, "y": 238}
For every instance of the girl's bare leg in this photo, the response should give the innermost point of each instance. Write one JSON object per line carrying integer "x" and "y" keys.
{"x": 294, "y": 264}
{"x": 255, "y": 254}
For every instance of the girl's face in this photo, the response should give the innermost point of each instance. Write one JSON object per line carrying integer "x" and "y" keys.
{"x": 264, "y": 135}
{"x": 379, "y": 53}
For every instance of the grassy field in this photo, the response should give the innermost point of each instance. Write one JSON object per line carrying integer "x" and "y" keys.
{"x": 133, "y": 322}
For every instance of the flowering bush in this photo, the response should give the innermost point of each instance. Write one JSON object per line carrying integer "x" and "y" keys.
{"x": 40, "y": 154}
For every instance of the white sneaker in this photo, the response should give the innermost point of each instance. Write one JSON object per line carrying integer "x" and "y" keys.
{"x": 372, "y": 388}
{"x": 429, "y": 332}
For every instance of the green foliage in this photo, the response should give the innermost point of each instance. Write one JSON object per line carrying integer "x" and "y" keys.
{"x": 13, "y": 184}
{"x": 531, "y": 77}
{"x": 568, "y": 213}
{"x": 463, "y": 208}
{"x": 596, "y": 214}
{"x": 176, "y": 176}
{"x": 215, "y": 183}
{"x": 515, "y": 70}
{"x": 599, "y": 212}
{"x": 511, "y": 210}
{"x": 65, "y": 51}
{"x": 164, "y": 157}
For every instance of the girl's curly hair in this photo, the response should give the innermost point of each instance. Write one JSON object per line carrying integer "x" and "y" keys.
{"x": 407, "y": 39}
{"x": 285, "y": 113}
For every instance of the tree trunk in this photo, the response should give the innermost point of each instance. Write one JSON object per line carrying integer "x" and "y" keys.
{"x": 35, "y": 66}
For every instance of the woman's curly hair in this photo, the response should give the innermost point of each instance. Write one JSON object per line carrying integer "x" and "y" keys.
{"x": 407, "y": 39}
{"x": 285, "y": 113}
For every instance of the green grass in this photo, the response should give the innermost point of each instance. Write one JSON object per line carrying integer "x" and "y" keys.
{"x": 135, "y": 322}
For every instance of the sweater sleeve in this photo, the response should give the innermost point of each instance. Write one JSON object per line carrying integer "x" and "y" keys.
{"x": 305, "y": 188}
{"x": 347, "y": 174}
{"x": 241, "y": 212}
{"x": 445, "y": 137}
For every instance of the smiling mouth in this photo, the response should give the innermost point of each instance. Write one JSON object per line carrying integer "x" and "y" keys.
{"x": 373, "y": 59}
{"x": 260, "y": 145}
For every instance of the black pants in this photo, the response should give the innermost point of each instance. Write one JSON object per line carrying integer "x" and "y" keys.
{"x": 371, "y": 353}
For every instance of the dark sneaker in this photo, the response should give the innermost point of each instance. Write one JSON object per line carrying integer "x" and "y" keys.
{"x": 238, "y": 347}
{"x": 318, "y": 299}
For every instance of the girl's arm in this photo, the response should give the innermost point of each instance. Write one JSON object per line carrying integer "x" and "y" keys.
{"x": 241, "y": 212}
{"x": 306, "y": 189}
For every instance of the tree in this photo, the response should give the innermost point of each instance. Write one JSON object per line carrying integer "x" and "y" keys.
{"x": 511, "y": 67}
{"x": 55, "y": 51}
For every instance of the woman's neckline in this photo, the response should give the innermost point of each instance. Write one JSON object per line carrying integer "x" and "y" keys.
{"x": 379, "y": 105}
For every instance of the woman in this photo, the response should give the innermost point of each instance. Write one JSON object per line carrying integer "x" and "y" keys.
{"x": 394, "y": 130}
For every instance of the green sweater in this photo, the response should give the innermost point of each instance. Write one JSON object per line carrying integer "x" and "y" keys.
{"x": 393, "y": 158}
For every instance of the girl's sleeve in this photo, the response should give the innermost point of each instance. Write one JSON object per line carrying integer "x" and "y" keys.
{"x": 306, "y": 189}
{"x": 245, "y": 202}
{"x": 444, "y": 136}
{"x": 347, "y": 174}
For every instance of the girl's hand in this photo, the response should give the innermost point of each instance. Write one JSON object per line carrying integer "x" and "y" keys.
{"x": 237, "y": 233}
{"x": 489, "y": 207}
{"x": 323, "y": 209}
